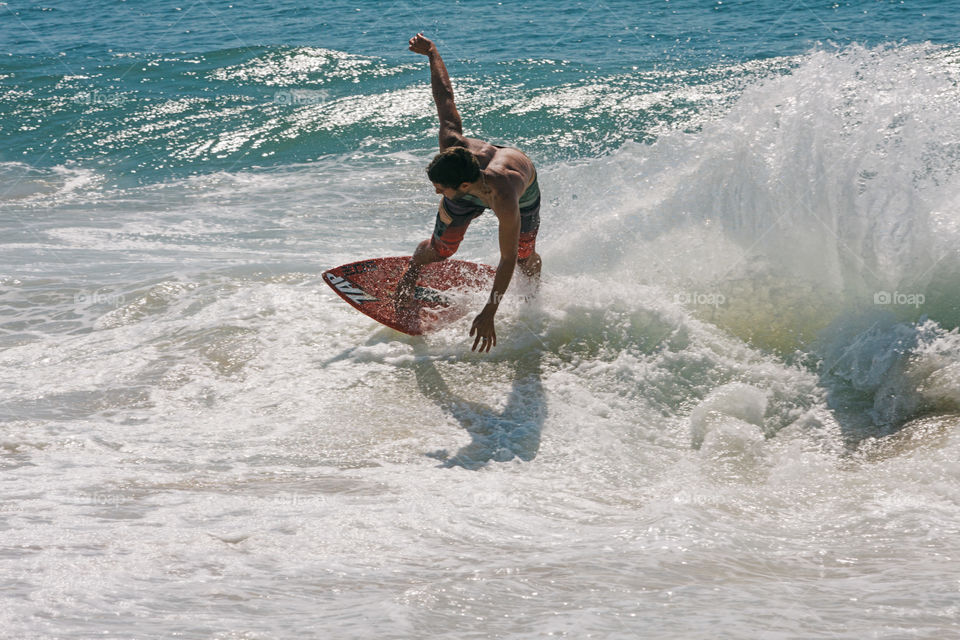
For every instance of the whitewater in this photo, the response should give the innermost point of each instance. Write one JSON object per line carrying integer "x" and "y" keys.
{"x": 732, "y": 411}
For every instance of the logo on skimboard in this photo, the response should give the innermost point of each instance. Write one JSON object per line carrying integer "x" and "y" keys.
{"x": 349, "y": 289}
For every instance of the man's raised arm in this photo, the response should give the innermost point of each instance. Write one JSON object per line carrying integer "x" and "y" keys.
{"x": 451, "y": 128}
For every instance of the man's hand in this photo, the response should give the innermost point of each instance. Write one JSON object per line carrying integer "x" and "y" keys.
{"x": 483, "y": 327}
{"x": 419, "y": 44}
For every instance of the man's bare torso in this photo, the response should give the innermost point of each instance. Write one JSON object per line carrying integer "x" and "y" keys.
{"x": 502, "y": 165}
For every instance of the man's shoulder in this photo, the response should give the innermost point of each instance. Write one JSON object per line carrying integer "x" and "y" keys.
{"x": 453, "y": 139}
{"x": 514, "y": 159}
{"x": 513, "y": 167}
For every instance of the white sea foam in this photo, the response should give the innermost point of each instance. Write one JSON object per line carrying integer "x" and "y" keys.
{"x": 191, "y": 416}
{"x": 24, "y": 185}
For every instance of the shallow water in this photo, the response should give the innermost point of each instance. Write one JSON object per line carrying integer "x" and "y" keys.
{"x": 731, "y": 412}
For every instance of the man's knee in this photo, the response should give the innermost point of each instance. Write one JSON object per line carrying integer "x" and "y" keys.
{"x": 427, "y": 253}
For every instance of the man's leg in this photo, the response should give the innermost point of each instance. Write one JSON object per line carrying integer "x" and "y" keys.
{"x": 424, "y": 254}
{"x": 528, "y": 259}
{"x": 451, "y": 224}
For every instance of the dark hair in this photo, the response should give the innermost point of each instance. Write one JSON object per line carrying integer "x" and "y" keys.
{"x": 453, "y": 166}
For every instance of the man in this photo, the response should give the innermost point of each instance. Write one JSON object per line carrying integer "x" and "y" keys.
{"x": 473, "y": 175}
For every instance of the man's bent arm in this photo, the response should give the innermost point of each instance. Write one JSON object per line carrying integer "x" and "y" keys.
{"x": 483, "y": 325}
{"x": 509, "y": 235}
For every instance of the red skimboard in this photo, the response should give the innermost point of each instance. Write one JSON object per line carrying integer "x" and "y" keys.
{"x": 445, "y": 292}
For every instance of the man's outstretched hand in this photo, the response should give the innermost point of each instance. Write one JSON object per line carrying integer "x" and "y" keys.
{"x": 419, "y": 44}
{"x": 483, "y": 327}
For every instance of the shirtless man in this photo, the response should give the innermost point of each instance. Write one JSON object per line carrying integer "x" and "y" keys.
{"x": 473, "y": 175}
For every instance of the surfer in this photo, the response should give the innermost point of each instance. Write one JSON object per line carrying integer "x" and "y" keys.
{"x": 472, "y": 176}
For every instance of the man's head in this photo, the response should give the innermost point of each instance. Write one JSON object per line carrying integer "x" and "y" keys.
{"x": 453, "y": 167}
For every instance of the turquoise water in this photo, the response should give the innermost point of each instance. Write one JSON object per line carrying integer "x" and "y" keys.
{"x": 732, "y": 411}
{"x": 170, "y": 89}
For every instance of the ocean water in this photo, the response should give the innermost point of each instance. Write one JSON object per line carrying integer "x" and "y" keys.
{"x": 732, "y": 412}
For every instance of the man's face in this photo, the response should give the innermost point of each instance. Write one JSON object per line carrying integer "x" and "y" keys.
{"x": 450, "y": 192}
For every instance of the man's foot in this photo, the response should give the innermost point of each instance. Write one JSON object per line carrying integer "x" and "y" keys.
{"x": 530, "y": 267}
